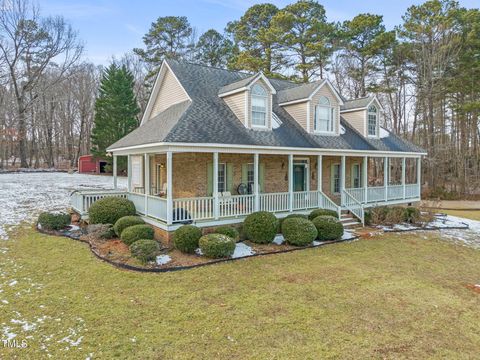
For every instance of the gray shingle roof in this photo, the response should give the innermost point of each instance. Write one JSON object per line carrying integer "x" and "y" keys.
{"x": 207, "y": 119}
{"x": 237, "y": 84}
{"x": 298, "y": 92}
{"x": 359, "y": 103}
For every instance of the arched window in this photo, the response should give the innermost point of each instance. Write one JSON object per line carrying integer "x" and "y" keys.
{"x": 259, "y": 105}
{"x": 324, "y": 115}
{"x": 372, "y": 121}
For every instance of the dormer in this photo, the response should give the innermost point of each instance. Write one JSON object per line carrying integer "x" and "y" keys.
{"x": 364, "y": 115}
{"x": 250, "y": 99}
{"x": 315, "y": 106}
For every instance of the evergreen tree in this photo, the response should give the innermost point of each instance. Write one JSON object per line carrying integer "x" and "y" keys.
{"x": 213, "y": 49}
{"x": 116, "y": 109}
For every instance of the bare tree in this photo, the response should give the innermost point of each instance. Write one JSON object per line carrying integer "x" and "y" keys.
{"x": 29, "y": 45}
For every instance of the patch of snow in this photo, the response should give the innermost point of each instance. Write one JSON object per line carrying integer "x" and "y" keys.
{"x": 242, "y": 250}
{"x": 5, "y": 301}
{"x": 72, "y": 227}
{"x": 25, "y": 195}
{"x": 198, "y": 251}
{"x": 279, "y": 239}
{"x": 26, "y": 326}
{"x": 347, "y": 235}
{"x": 384, "y": 133}
{"x": 13, "y": 283}
{"x": 7, "y": 334}
{"x": 316, "y": 243}
{"x": 163, "y": 259}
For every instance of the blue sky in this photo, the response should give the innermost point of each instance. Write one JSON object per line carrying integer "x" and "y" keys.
{"x": 111, "y": 28}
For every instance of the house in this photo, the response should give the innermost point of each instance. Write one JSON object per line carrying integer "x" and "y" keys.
{"x": 215, "y": 145}
{"x": 87, "y": 164}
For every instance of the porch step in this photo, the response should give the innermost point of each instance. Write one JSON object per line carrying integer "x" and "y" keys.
{"x": 349, "y": 221}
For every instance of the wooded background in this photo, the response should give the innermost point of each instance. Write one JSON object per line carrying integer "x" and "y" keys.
{"x": 426, "y": 72}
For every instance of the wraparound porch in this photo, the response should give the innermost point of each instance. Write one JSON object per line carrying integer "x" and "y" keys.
{"x": 171, "y": 188}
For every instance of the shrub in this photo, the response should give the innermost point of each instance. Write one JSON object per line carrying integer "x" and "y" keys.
{"x": 109, "y": 209}
{"x": 229, "y": 231}
{"x": 378, "y": 214}
{"x": 217, "y": 245}
{"x": 108, "y": 232}
{"x": 291, "y": 216}
{"x": 260, "y": 227}
{"x": 125, "y": 222}
{"x": 328, "y": 227}
{"x": 412, "y": 215}
{"x": 186, "y": 238}
{"x": 298, "y": 231}
{"x": 54, "y": 221}
{"x": 368, "y": 217}
{"x": 137, "y": 232}
{"x": 321, "y": 212}
{"x": 395, "y": 215}
{"x": 144, "y": 250}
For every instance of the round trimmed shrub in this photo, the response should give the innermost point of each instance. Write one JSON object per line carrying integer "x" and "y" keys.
{"x": 125, "y": 222}
{"x": 321, "y": 212}
{"x": 328, "y": 228}
{"x": 229, "y": 231}
{"x": 216, "y": 245}
{"x": 299, "y": 232}
{"x": 291, "y": 216}
{"x": 54, "y": 221}
{"x": 109, "y": 209}
{"x": 186, "y": 238}
{"x": 137, "y": 232}
{"x": 260, "y": 227}
{"x": 144, "y": 250}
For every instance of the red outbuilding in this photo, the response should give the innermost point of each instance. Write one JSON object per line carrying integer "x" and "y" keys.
{"x": 87, "y": 164}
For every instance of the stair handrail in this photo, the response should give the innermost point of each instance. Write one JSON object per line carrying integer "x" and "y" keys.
{"x": 331, "y": 203}
{"x": 358, "y": 211}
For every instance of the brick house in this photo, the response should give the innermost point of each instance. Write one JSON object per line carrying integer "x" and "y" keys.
{"x": 215, "y": 145}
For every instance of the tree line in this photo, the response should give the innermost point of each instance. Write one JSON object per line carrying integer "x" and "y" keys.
{"x": 426, "y": 72}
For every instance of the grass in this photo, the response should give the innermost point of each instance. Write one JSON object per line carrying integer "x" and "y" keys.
{"x": 469, "y": 214}
{"x": 392, "y": 296}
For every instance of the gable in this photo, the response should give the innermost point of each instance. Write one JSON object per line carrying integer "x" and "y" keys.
{"x": 166, "y": 92}
{"x": 325, "y": 90}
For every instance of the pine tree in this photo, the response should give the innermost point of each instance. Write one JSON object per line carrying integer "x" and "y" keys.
{"x": 116, "y": 110}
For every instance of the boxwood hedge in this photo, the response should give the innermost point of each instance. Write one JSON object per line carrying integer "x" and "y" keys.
{"x": 137, "y": 232}
{"x": 109, "y": 209}
{"x": 260, "y": 227}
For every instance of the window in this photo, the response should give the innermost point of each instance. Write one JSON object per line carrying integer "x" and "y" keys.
{"x": 222, "y": 177}
{"x": 259, "y": 106}
{"x": 372, "y": 121}
{"x": 250, "y": 176}
{"x": 324, "y": 115}
{"x": 356, "y": 176}
{"x": 336, "y": 178}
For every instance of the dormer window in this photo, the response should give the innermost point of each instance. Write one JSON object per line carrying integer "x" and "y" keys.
{"x": 259, "y": 106}
{"x": 324, "y": 112}
{"x": 372, "y": 121}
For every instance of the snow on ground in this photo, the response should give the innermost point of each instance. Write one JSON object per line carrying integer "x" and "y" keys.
{"x": 242, "y": 250}
{"x": 25, "y": 195}
{"x": 163, "y": 259}
{"x": 469, "y": 237}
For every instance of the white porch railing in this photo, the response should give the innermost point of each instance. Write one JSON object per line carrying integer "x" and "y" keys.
{"x": 354, "y": 206}
{"x": 376, "y": 194}
{"x": 274, "y": 202}
{"x": 236, "y": 205}
{"x": 157, "y": 207}
{"x": 192, "y": 209}
{"x": 81, "y": 200}
{"x": 139, "y": 202}
{"x": 303, "y": 200}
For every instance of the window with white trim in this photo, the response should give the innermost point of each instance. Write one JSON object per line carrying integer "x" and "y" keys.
{"x": 356, "y": 176}
{"x": 222, "y": 177}
{"x": 324, "y": 115}
{"x": 372, "y": 121}
{"x": 259, "y": 105}
{"x": 250, "y": 176}
{"x": 336, "y": 178}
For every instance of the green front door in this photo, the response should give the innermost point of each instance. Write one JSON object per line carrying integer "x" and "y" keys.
{"x": 299, "y": 183}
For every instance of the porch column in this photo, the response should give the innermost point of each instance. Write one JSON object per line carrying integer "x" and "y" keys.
{"x": 342, "y": 179}
{"x": 146, "y": 179}
{"x": 115, "y": 183}
{"x": 404, "y": 163}
{"x": 290, "y": 182}
{"x": 129, "y": 175}
{"x": 365, "y": 178}
{"x": 215, "y": 186}
{"x": 419, "y": 175}
{"x": 319, "y": 173}
{"x": 256, "y": 187}
{"x": 385, "y": 176}
{"x": 169, "y": 188}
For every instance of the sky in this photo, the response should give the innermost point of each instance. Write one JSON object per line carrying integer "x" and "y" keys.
{"x": 110, "y": 28}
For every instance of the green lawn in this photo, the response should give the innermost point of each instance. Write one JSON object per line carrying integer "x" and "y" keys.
{"x": 387, "y": 297}
{"x": 469, "y": 214}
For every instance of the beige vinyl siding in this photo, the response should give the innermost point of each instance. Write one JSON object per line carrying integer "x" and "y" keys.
{"x": 325, "y": 91}
{"x": 356, "y": 119}
{"x": 236, "y": 103}
{"x": 298, "y": 112}
{"x": 170, "y": 92}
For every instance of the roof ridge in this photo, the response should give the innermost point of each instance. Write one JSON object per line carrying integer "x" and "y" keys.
{"x": 211, "y": 67}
